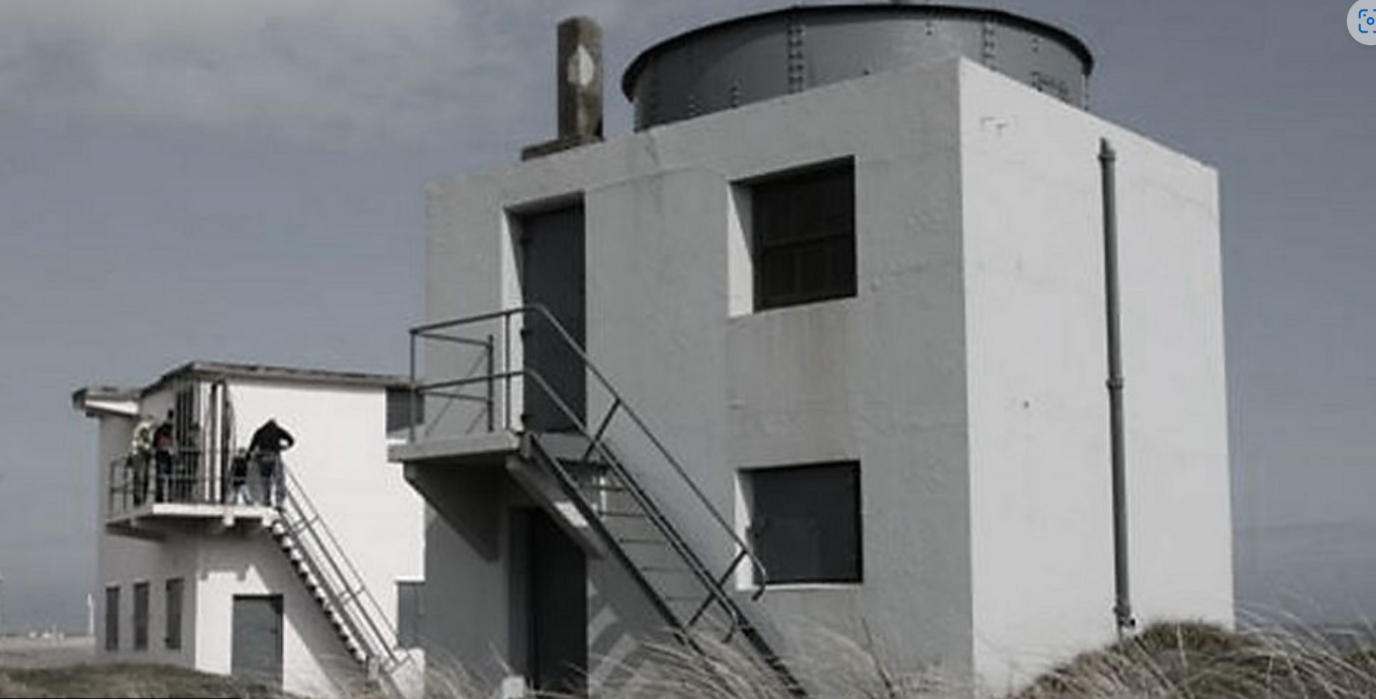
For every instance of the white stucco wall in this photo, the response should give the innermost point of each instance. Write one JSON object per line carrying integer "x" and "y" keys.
{"x": 123, "y": 561}
{"x": 340, "y": 459}
{"x": 314, "y": 661}
{"x": 1041, "y": 512}
{"x": 876, "y": 378}
{"x": 966, "y": 375}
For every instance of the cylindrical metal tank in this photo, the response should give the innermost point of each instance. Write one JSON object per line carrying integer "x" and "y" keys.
{"x": 753, "y": 58}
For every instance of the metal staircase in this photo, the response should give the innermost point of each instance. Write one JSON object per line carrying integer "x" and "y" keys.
{"x": 336, "y": 586}
{"x": 583, "y": 480}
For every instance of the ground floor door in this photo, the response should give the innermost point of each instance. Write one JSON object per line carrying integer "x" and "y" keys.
{"x": 257, "y": 641}
{"x": 558, "y": 606}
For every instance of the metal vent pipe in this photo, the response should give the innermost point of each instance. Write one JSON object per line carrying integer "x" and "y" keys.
{"x": 1122, "y": 606}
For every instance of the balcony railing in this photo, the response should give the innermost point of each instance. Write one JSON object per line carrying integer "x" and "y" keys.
{"x": 187, "y": 477}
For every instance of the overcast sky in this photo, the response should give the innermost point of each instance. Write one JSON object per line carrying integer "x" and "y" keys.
{"x": 243, "y": 180}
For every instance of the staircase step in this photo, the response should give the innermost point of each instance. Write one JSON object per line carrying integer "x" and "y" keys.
{"x": 606, "y": 488}
{"x": 622, "y": 515}
{"x": 662, "y": 569}
{"x": 675, "y": 599}
{"x": 634, "y": 541}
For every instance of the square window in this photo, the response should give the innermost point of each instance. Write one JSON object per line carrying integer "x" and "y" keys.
{"x": 805, "y": 522}
{"x": 803, "y": 236}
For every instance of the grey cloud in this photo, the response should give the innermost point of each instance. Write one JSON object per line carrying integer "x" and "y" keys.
{"x": 347, "y": 69}
{"x": 320, "y": 72}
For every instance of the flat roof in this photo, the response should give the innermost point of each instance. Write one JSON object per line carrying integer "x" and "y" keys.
{"x": 204, "y": 370}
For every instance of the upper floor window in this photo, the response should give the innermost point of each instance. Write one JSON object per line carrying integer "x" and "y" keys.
{"x": 803, "y": 230}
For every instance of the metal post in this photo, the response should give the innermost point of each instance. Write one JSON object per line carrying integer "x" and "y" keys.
{"x": 414, "y": 395}
{"x": 1122, "y": 608}
{"x": 491, "y": 384}
{"x": 506, "y": 369}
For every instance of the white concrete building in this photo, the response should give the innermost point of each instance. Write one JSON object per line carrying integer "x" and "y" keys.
{"x": 846, "y": 355}
{"x": 196, "y": 569}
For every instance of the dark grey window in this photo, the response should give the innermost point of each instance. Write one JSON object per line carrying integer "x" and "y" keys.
{"x": 141, "y": 616}
{"x": 172, "y": 639}
{"x": 805, "y": 522}
{"x": 803, "y": 242}
{"x": 112, "y": 618}
{"x": 404, "y": 409}
{"x": 409, "y": 613}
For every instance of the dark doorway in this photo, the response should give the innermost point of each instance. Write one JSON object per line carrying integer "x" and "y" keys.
{"x": 257, "y": 639}
{"x": 557, "y": 645}
{"x": 553, "y": 275}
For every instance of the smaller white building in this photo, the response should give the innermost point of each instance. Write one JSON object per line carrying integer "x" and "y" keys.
{"x": 318, "y": 592}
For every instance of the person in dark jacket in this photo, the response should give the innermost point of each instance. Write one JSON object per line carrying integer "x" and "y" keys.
{"x": 162, "y": 459}
{"x": 267, "y": 445}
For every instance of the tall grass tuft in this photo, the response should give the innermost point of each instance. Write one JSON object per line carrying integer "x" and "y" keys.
{"x": 1197, "y": 661}
{"x": 1166, "y": 661}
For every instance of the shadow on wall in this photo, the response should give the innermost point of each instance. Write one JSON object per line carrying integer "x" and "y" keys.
{"x": 470, "y": 500}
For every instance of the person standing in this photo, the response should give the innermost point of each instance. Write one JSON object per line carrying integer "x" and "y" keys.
{"x": 140, "y": 454}
{"x": 267, "y": 445}
{"x": 238, "y": 478}
{"x": 162, "y": 459}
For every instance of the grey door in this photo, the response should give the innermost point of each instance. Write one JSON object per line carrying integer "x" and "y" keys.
{"x": 257, "y": 642}
{"x": 558, "y": 659}
{"x": 553, "y": 275}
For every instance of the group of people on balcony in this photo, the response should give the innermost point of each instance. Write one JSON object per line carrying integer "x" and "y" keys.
{"x": 156, "y": 459}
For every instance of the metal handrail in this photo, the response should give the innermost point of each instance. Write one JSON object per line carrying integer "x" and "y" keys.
{"x": 200, "y": 484}
{"x": 642, "y": 499}
{"x": 431, "y": 331}
{"x": 379, "y": 639}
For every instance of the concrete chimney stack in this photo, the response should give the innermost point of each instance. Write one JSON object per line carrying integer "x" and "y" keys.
{"x": 578, "y": 72}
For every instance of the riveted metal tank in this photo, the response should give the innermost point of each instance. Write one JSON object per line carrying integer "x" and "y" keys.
{"x": 757, "y": 57}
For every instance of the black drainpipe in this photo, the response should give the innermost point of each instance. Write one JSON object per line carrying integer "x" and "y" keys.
{"x": 1122, "y": 607}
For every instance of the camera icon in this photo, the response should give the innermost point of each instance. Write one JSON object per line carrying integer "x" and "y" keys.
{"x": 1361, "y": 22}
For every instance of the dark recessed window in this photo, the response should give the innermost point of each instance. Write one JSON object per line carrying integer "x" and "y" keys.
{"x": 409, "y": 613}
{"x": 141, "y": 616}
{"x": 803, "y": 227}
{"x": 805, "y": 522}
{"x": 112, "y": 618}
{"x": 172, "y": 638}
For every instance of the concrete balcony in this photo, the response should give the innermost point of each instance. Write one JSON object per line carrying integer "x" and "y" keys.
{"x": 189, "y": 495}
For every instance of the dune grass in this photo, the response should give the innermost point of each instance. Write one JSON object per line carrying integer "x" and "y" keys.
{"x": 1196, "y": 661}
{"x": 1167, "y": 661}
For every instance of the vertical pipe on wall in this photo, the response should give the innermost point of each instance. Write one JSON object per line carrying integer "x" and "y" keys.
{"x": 210, "y": 429}
{"x": 1122, "y": 607}
{"x": 413, "y": 395}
